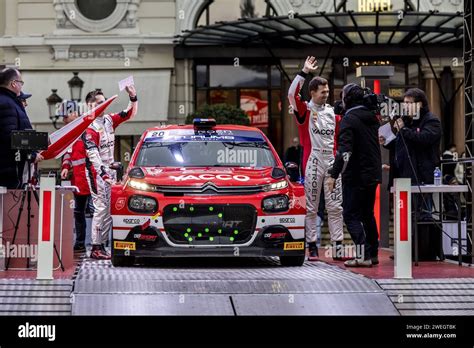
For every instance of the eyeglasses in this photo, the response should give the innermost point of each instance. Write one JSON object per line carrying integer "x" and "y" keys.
{"x": 20, "y": 81}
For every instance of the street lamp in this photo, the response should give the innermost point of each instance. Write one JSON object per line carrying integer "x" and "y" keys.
{"x": 75, "y": 85}
{"x": 53, "y": 100}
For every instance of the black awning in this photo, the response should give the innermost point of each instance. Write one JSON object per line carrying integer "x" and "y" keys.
{"x": 347, "y": 28}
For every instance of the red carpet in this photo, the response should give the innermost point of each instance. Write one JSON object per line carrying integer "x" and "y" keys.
{"x": 426, "y": 269}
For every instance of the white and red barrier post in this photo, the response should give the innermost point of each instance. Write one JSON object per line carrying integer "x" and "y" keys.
{"x": 46, "y": 228}
{"x": 402, "y": 221}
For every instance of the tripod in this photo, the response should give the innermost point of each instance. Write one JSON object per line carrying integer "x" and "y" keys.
{"x": 28, "y": 189}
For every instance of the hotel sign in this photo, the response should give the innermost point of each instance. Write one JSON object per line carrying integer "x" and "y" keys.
{"x": 374, "y": 5}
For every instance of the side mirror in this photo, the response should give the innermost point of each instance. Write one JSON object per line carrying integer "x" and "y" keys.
{"x": 118, "y": 167}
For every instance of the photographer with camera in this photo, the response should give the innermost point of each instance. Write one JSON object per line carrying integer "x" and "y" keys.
{"x": 12, "y": 117}
{"x": 358, "y": 159}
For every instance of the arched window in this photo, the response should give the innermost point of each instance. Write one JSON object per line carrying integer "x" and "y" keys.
{"x": 225, "y": 10}
{"x": 92, "y": 11}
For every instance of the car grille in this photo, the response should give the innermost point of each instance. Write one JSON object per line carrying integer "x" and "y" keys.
{"x": 209, "y": 224}
{"x": 208, "y": 188}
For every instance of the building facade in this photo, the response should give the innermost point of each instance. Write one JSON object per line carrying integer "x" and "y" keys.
{"x": 48, "y": 40}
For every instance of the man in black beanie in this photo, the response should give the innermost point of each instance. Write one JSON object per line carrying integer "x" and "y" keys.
{"x": 358, "y": 159}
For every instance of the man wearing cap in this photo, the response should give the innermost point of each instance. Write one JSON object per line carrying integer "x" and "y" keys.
{"x": 23, "y": 97}
{"x": 75, "y": 159}
{"x": 12, "y": 117}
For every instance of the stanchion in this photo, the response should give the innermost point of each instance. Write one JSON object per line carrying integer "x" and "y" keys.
{"x": 402, "y": 221}
{"x": 46, "y": 228}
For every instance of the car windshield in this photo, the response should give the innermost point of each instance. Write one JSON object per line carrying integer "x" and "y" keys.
{"x": 204, "y": 150}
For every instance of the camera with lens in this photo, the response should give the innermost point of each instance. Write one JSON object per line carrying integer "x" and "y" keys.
{"x": 374, "y": 101}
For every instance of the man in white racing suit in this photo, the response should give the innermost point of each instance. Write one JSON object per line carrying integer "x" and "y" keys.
{"x": 99, "y": 143}
{"x": 322, "y": 125}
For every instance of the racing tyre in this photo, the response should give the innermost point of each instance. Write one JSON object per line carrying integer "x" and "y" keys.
{"x": 291, "y": 261}
{"x": 123, "y": 261}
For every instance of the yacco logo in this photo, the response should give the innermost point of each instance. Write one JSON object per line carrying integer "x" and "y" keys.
{"x": 223, "y": 177}
{"x": 323, "y": 131}
{"x": 107, "y": 145}
{"x": 245, "y": 158}
{"x": 37, "y": 331}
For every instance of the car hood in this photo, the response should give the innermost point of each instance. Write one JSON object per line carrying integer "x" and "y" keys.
{"x": 225, "y": 176}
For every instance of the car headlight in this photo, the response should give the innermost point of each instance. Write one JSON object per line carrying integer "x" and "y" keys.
{"x": 276, "y": 186}
{"x": 276, "y": 203}
{"x": 140, "y": 185}
{"x": 142, "y": 204}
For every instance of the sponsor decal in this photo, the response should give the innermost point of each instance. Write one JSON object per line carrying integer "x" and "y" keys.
{"x": 120, "y": 203}
{"x": 124, "y": 245}
{"x": 155, "y": 134}
{"x": 145, "y": 225}
{"x": 132, "y": 221}
{"x": 145, "y": 237}
{"x": 287, "y": 220}
{"x": 275, "y": 235}
{"x": 231, "y": 223}
{"x": 294, "y": 246}
{"x": 223, "y": 177}
{"x": 153, "y": 171}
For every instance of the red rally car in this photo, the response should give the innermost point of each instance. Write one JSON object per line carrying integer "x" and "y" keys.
{"x": 206, "y": 190}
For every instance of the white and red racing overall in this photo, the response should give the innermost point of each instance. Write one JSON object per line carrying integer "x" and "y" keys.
{"x": 99, "y": 144}
{"x": 323, "y": 126}
{"x": 75, "y": 159}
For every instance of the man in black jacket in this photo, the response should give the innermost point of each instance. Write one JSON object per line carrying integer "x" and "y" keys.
{"x": 12, "y": 117}
{"x": 420, "y": 131}
{"x": 415, "y": 150}
{"x": 358, "y": 159}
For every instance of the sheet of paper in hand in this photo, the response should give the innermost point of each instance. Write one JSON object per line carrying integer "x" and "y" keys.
{"x": 386, "y": 132}
{"x": 126, "y": 82}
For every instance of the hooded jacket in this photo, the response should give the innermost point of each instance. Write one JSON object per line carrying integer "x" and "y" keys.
{"x": 358, "y": 156}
